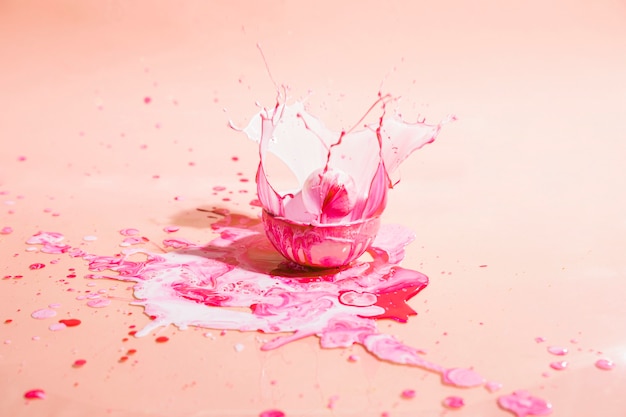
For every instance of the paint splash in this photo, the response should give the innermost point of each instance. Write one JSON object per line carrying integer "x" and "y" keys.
{"x": 239, "y": 282}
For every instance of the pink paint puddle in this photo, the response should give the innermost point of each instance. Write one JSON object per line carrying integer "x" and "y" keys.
{"x": 557, "y": 350}
{"x": 559, "y": 365}
{"x": 522, "y": 404}
{"x": 408, "y": 394}
{"x": 35, "y": 394}
{"x": 197, "y": 285}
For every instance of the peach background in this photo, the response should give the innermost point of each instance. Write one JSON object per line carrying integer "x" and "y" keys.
{"x": 529, "y": 181}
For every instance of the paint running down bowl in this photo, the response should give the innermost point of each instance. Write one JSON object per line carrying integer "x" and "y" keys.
{"x": 320, "y": 246}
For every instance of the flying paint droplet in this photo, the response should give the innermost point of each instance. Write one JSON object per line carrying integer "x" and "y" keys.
{"x": 453, "y": 402}
{"x": 605, "y": 364}
{"x": 35, "y": 394}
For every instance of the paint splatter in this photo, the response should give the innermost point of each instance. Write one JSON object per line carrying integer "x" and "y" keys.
{"x": 559, "y": 365}
{"x": 161, "y": 339}
{"x": 272, "y": 413}
{"x": 70, "y": 322}
{"x": 408, "y": 394}
{"x": 453, "y": 402}
{"x": 557, "y": 350}
{"x": 35, "y": 394}
{"x": 44, "y": 313}
{"x": 605, "y": 364}
{"x": 188, "y": 285}
{"x": 522, "y": 404}
{"x": 79, "y": 363}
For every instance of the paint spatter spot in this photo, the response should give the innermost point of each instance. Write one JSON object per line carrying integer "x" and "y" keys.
{"x": 6, "y": 230}
{"x": 332, "y": 402}
{"x": 36, "y": 266}
{"x": 55, "y": 327}
{"x": 129, "y": 232}
{"x": 171, "y": 229}
{"x": 98, "y": 303}
{"x": 605, "y": 364}
{"x": 453, "y": 402}
{"x": 462, "y": 377}
{"x": 35, "y": 394}
{"x": 147, "y": 100}
{"x": 44, "y": 313}
{"x": 272, "y": 413}
{"x": 557, "y": 350}
{"x": 70, "y": 322}
{"x": 539, "y": 339}
{"x": 161, "y": 339}
{"x": 522, "y": 404}
{"x": 559, "y": 365}
{"x": 78, "y": 363}
{"x": 408, "y": 394}
{"x": 354, "y": 358}
{"x": 8, "y": 321}
{"x": 493, "y": 386}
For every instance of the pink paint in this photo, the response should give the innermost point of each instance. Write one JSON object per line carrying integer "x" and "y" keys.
{"x": 36, "y": 266}
{"x": 408, "y": 394}
{"x": 44, "y": 313}
{"x": 493, "y": 386}
{"x": 98, "y": 303}
{"x": 129, "y": 232}
{"x": 462, "y": 377}
{"x": 240, "y": 268}
{"x": 539, "y": 339}
{"x": 559, "y": 365}
{"x": 522, "y": 404}
{"x": 272, "y": 413}
{"x": 171, "y": 229}
{"x": 35, "y": 394}
{"x": 331, "y": 218}
{"x": 453, "y": 402}
{"x": 605, "y": 364}
{"x": 6, "y": 230}
{"x": 78, "y": 363}
{"x": 557, "y": 350}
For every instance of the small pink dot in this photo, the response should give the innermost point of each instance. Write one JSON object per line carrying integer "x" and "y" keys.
{"x": 35, "y": 394}
{"x": 147, "y": 100}
{"x": 453, "y": 402}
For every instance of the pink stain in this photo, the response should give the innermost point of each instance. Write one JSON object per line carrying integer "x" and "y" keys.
{"x": 453, "y": 402}
{"x": 605, "y": 364}
{"x": 557, "y": 350}
{"x": 272, "y": 413}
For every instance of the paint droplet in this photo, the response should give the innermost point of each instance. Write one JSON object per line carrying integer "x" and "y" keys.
{"x": 605, "y": 364}
{"x": 559, "y": 365}
{"x": 147, "y": 100}
{"x": 6, "y": 230}
{"x": 493, "y": 386}
{"x": 408, "y": 394}
{"x": 161, "y": 339}
{"x": 99, "y": 303}
{"x": 453, "y": 402}
{"x": 44, "y": 313}
{"x": 129, "y": 232}
{"x": 35, "y": 394}
{"x": 171, "y": 229}
{"x": 354, "y": 358}
{"x": 239, "y": 347}
{"x": 539, "y": 339}
{"x": 462, "y": 377}
{"x": 272, "y": 413}
{"x": 55, "y": 327}
{"x": 70, "y": 322}
{"x": 79, "y": 363}
{"x": 522, "y": 404}
{"x": 36, "y": 266}
{"x": 557, "y": 350}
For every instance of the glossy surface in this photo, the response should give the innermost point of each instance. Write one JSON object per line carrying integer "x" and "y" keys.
{"x": 115, "y": 137}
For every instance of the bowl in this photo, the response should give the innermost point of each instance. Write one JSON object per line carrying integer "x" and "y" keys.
{"x": 320, "y": 246}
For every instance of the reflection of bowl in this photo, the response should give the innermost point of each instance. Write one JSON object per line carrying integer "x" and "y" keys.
{"x": 321, "y": 246}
